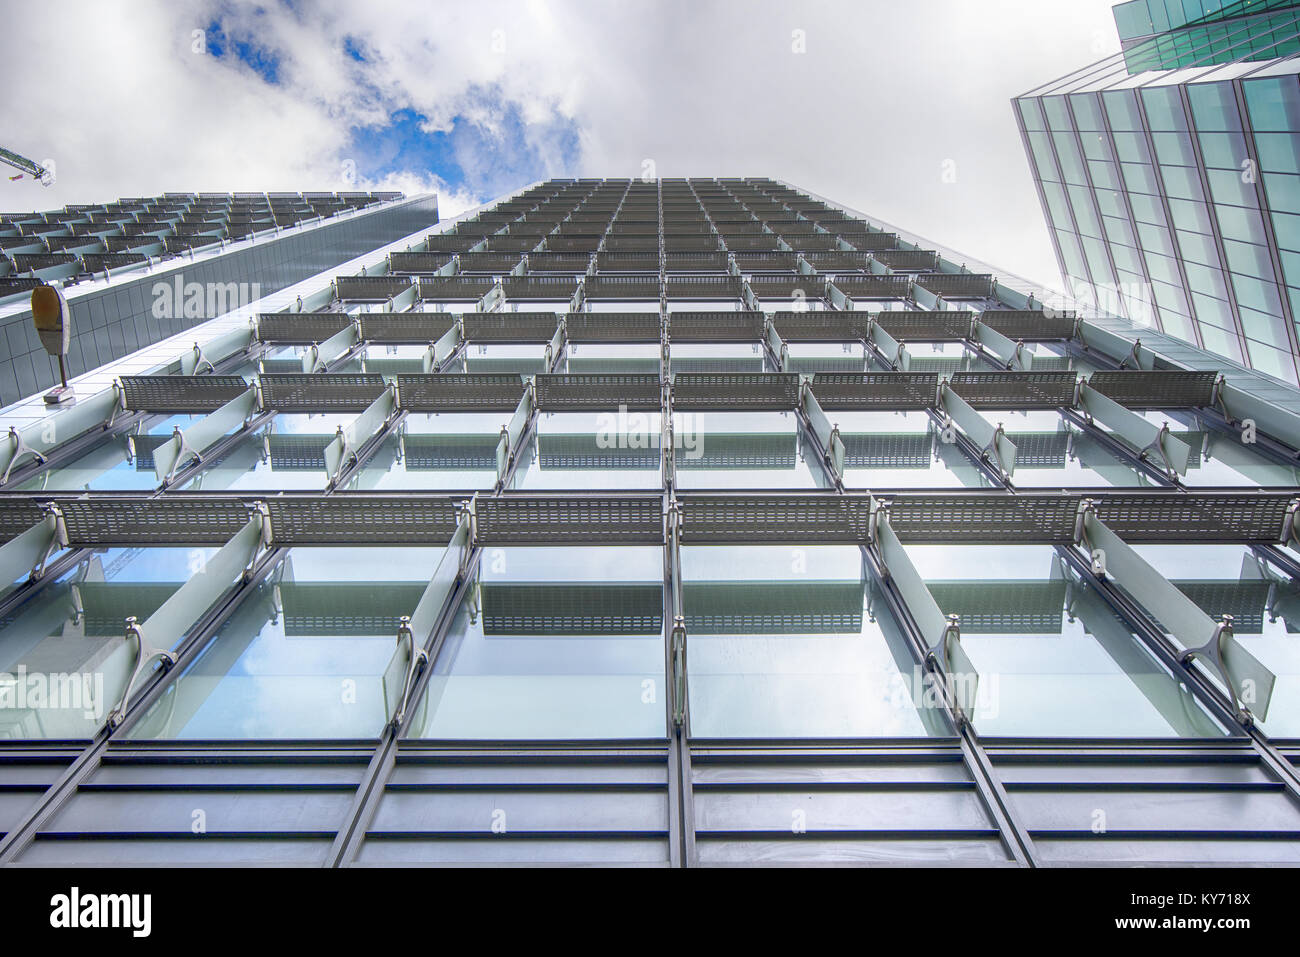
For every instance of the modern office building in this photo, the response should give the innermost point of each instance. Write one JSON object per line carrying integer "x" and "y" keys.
{"x": 129, "y": 269}
{"x": 1170, "y": 175}
{"x": 682, "y": 522}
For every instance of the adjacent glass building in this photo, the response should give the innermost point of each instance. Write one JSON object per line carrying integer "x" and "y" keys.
{"x": 684, "y": 522}
{"x": 1170, "y": 175}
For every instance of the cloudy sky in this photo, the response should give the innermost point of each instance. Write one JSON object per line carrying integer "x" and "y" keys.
{"x": 868, "y": 102}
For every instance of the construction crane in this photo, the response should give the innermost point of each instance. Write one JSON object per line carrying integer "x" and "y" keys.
{"x": 35, "y": 170}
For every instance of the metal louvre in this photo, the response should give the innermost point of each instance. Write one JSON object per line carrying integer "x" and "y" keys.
{"x": 553, "y": 520}
{"x": 1015, "y": 390}
{"x": 819, "y": 519}
{"x": 1158, "y": 389}
{"x": 405, "y": 327}
{"x": 558, "y": 288}
{"x": 715, "y": 326}
{"x": 945, "y": 518}
{"x": 171, "y": 393}
{"x": 509, "y": 326}
{"x": 1254, "y": 517}
{"x": 425, "y": 262}
{"x": 957, "y": 285}
{"x": 632, "y": 286}
{"x": 495, "y": 263}
{"x": 695, "y": 261}
{"x": 875, "y": 390}
{"x": 460, "y": 392}
{"x": 355, "y": 518}
{"x": 925, "y": 326}
{"x": 327, "y": 392}
{"x": 853, "y": 232}
{"x": 874, "y": 287}
{"x": 370, "y": 288}
{"x": 630, "y": 262}
{"x": 572, "y": 263}
{"x": 17, "y": 514}
{"x": 725, "y": 286}
{"x": 1029, "y": 325}
{"x": 612, "y": 326}
{"x": 145, "y": 521}
{"x": 908, "y": 259}
{"x": 789, "y": 286}
{"x": 455, "y": 288}
{"x": 735, "y": 390}
{"x": 821, "y": 325}
{"x": 300, "y": 326}
{"x": 601, "y": 391}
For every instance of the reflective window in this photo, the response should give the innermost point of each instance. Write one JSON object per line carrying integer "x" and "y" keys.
{"x": 1053, "y": 659}
{"x": 738, "y": 450}
{"x": 448, "y": 450}
{"x": 64, "y": 655}
{"x": 558, "y": 642}
{"x": 589, "y": 450}
{"x": 902, "y": 450}
{"x": 122, "y": 462}
{"x": 308, "y": 654}
{"x": 286, "y": 453}
{"x": 795, "y": 642}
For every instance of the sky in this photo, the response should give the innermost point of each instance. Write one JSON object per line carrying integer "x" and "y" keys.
{"x": 897, "y": 108}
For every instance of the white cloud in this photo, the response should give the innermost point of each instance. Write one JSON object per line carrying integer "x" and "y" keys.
{"x": 886, "y": 92}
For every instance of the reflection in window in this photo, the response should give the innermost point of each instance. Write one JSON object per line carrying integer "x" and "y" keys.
{"x": 1052, "y": 452}
{"x": 795, "y": 642}
{"x": 1219, "y": 457}
{"x": 449, "y": 450}
{"x": 308, "y": 654}
{"x": 1264, "y": 603}
{"x": 558, "y": 642}
{"x": 717, "y": 450}
{"x": 1053, "y": 659}
{"x": 587, "y": 450}
{"x": 286, "y": 453}
{"x": 902, "y": 450}
{"x": 64, "y": 657}
{"x": 122, "y": 462}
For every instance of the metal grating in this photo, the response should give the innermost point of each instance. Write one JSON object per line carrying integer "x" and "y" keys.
{"x": 562, "y": 521}
{"x": 557, "y": 288}
{"x": 17, "y": 514}
{"x": 169, "y": 521}
{"x": 791, "y": 286}
{"x": 460, "y": 392}
{"x": 1015, "y": 390}
{"x": 937, "y": 326}
{"x": 455, "y": 288}
{"x": 405, "y": 327}
{"x": 820, "y": 519}
{"x": 723, "y": 286}
{"x": 300, "y": 326}
{"x": 425, "y": 262}
{"x": 822, "y": 325}
{"x": 957, "y": 285}
{"x": 370, "y": 288}
{"x": 735, "y": 390}
{"x": 172, "y": 393}
{"x": 633, "y": 286}
{"x": 348, "y": 518}
{"x": 612, "y": 326}
{"x": 1029, "y": 324}
{"x": 875, "y": 390}
{"x": 617, "y": 608}
{"x": 1158, "y": 389}
{"x": 874, "y": 287}
{"x": 601, "y": 391}
{"x": 1209, "y": 517}
{"x": 509, "y": 326}
{"x": 983, "y": 518}
{"x": 332, "y": 392}
{"x": 715, "y": 326}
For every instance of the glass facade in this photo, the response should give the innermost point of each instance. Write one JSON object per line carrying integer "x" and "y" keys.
{"x": 680, "y": 522}
{"x": 1169, "y": 196}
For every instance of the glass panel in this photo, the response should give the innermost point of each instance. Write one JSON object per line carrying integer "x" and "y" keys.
{"x": 1221, "y": 458}
{"x": 595, "y": 450}
{"x": 304, "y": 655}
{"x": 520, "y": 359}
{"x": 795, "y": 642}
{"x": 587, "y": 358}
{"x": 813, "y": 357}
{"x": 1054, "y": 660}
{"x": 1052, "y": 452}
{"x": 1265, "y": 606}
{"x": 718, "y": 357}
{"x": 902, "y": 450}
{"x": 449, "y": 450}
{"x": 286, "y": 453}
{"x": 560, "y": 642}
{"x": 120, "y": 463}
{"x": 64, "y": 657}
{"x": 744, "y": 450}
